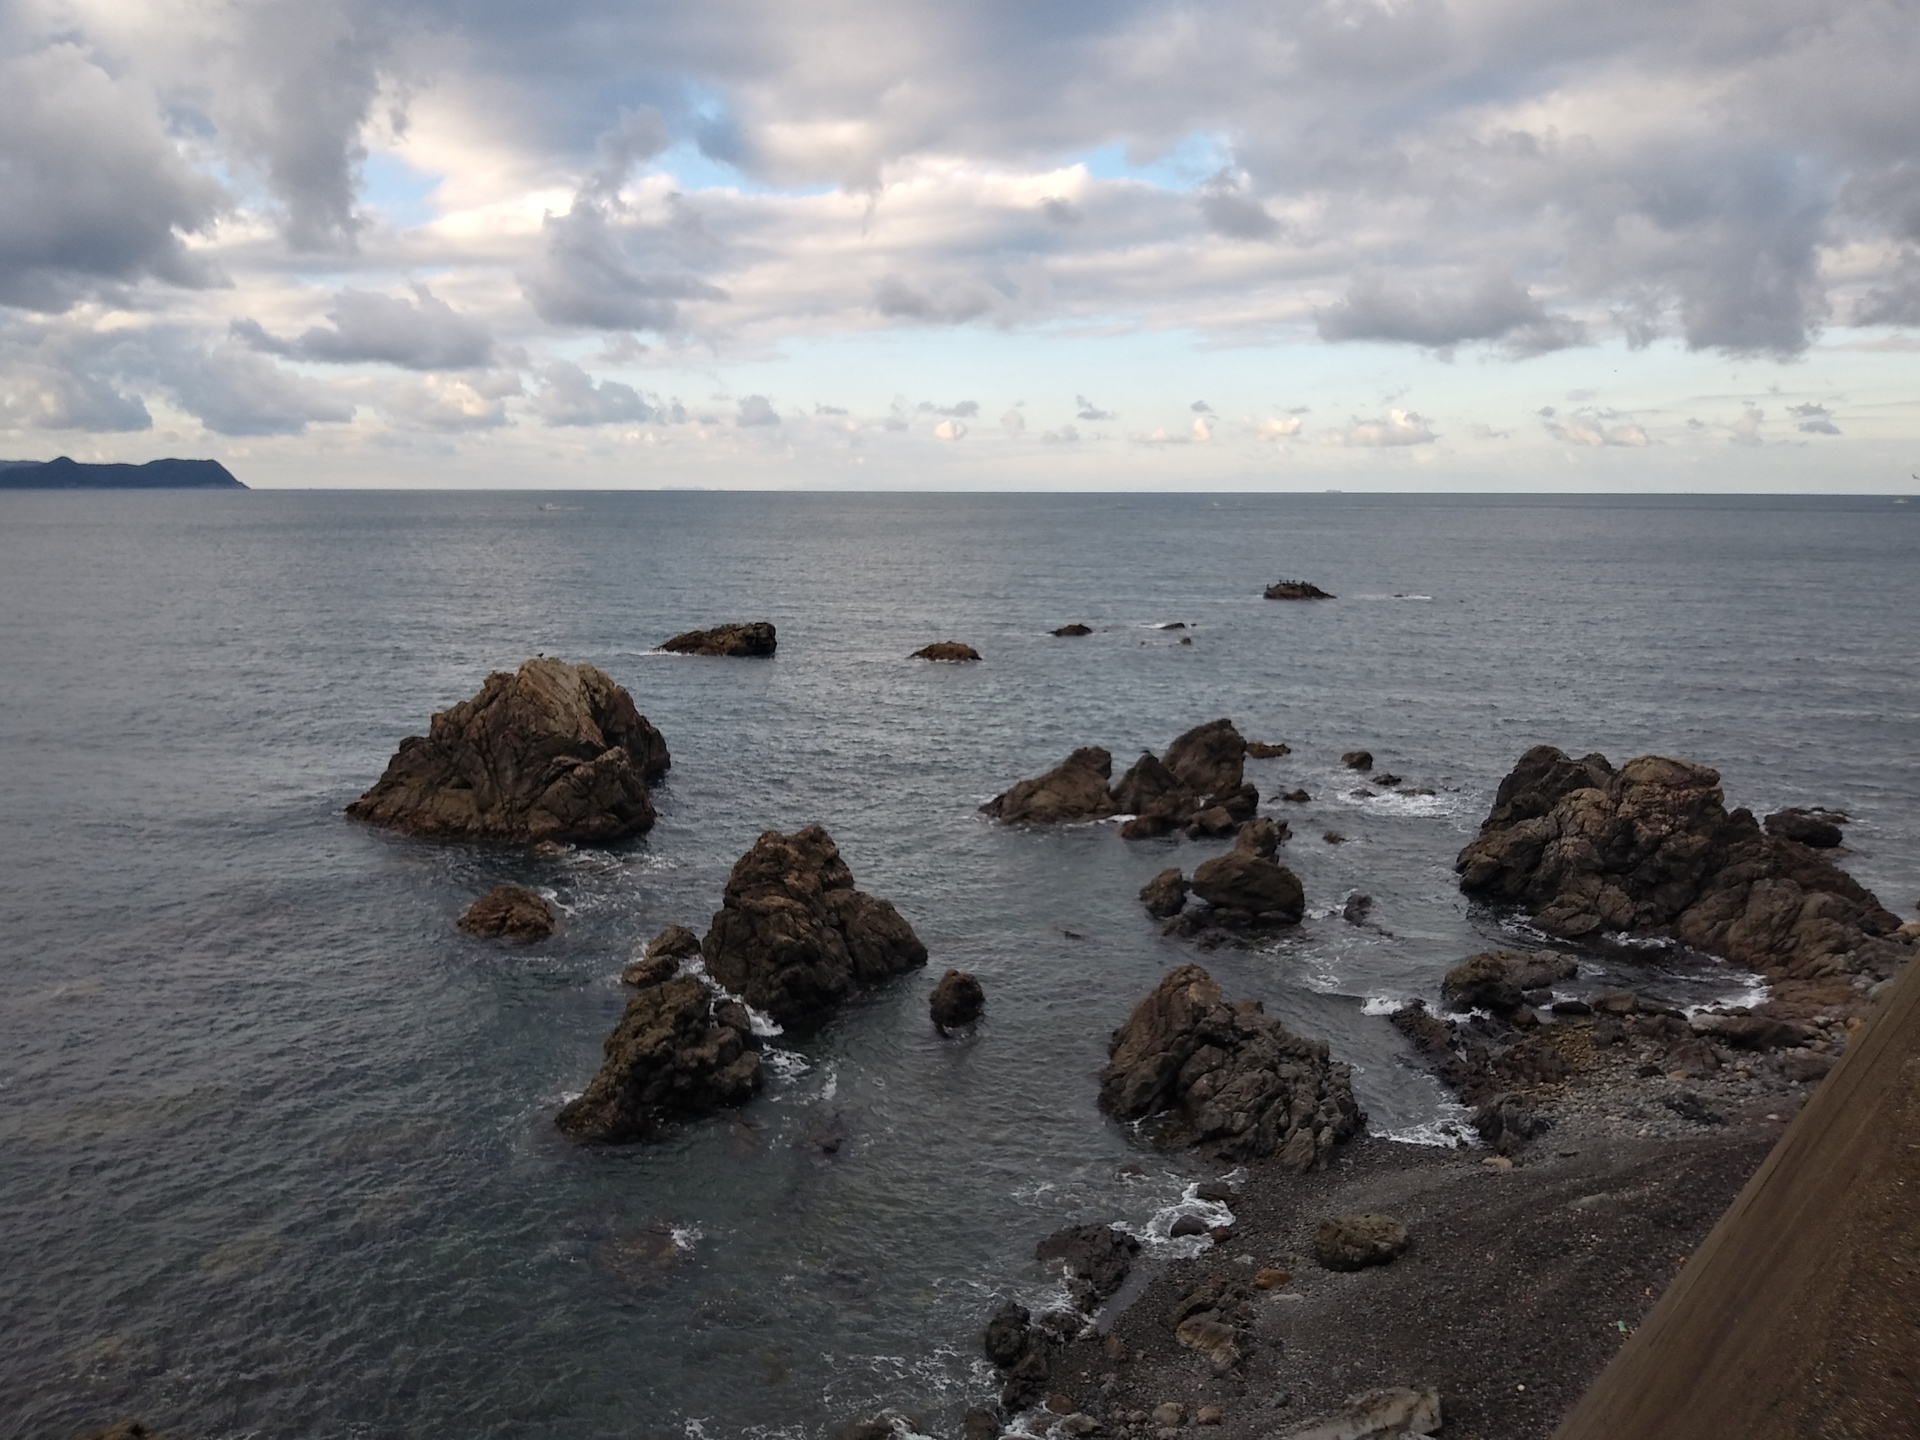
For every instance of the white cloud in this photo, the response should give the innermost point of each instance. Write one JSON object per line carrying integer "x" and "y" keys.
{"x": 949, "y": 430}
{"x": 1400, "y": 427}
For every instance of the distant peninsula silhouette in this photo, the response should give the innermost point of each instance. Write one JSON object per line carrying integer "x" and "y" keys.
{"x": 69, "y": 474}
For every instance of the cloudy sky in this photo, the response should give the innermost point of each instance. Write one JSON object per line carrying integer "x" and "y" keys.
{"x": 1293, "y": 244}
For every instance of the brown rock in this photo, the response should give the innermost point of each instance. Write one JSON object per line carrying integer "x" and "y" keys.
{"x": 1075, "y": 629}
{"x": 1227, "y": 1076}
{"x": 512, "y": 911}
{"x": 1073, "y": 791}
{"x": 1260, "y": 750}
{"x": 1209, "y": 1415}
{"x": 1353, "y": 1242}
{"x": 1745, "y": 1031}
{"x": 1296, "y": 797}
{"x": 1295, "y": 590}
{"x": 1209, "y": 759}
{"x": 1150, "y": 788}
{"x": 1242, "y": 881}
{"x": 1096, "y": 1258}
{"x": 552, "y": 752}
{"x": 949, "y": 650}
{"x": 1651, "y": 849}
{"x": 1166, "y": 894}
{"x": 1357, "y": 759}
{"x": 1496, "y": 980}
{"x": 751, "y": 640}
{"x": 1269, "y": 1278}
{"x": 1261, "y": 837}
{"x": 1818, "y": 829}
{"x": 794, "y": 939}
{"x": 668, "y": 1059}
{"x": 957, "y": 1000}
{"x": 665, "y": 954}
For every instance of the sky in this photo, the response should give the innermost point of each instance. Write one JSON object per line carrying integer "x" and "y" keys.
{"x": 1213, "y": 245}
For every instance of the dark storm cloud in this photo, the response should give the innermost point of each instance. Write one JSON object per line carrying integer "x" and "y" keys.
{"x": 1492, "y": 307}
{"x": 424, "y": 333}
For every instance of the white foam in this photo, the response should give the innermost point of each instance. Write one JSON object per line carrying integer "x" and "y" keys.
{"x": 1751, "y": 992}
{"x": 785, "y": 1064}
{"x": 1448, "y": 1130}
{"x": 1382, "y": 1004}
{"x": 762, "y": 1025}
{"x": 685, "y": 1236}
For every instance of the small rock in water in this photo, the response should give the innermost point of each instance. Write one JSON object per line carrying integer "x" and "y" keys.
{"x": 951, "y": 651}
{"x": 1354, "y": 912}
{"x": 754, "y": 639}
{"x": 1334, "y": 837}
{"x": 1295, "y": 590}
{"x": 1357, "y": 759}
{"x": 1386, "y": 781}
{"x": 957, "y": 1000}
{"x": 1817, "y": 829}
{"x": 1186, "y": 1225}
{"x": 1166, "y": 894}
{"x": 512, "y": 911}
{"x": 1215, "y": 1192}
{"x": 1074, "y": 629}
{"x": 1296, "y": 797}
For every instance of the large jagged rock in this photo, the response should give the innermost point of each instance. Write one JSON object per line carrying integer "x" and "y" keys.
{"x": 1209, "y": 759}
{"x": 512, "y": 911}
{"x": 1245, "y": 883}
{"x": 1199, "y": 787}
{"x": 754, "y": 639}
{"x": 1652, "y": 850}
{"x": 794, "y": 939}
{"x": 1073, "y": 791}
{"x": 678, "y": 1053}
{"x": 551, "y": 752}
{"x": 1227, "y": 1076}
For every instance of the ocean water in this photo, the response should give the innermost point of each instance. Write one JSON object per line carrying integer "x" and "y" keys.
{"x": 276, "y": 1151}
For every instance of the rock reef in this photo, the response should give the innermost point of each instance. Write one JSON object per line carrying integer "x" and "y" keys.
{"x": 794, "y": 939}
{"x": 1651, "y": 850}
{"x": 1295, "y": 590}
{"x": 951, "y": 651}
{"x": 1199, "y": 787}
{"x": 550, "y": 752}
{"x": 753, "y": 639}
{"x": 1227, "y": 1077}
{"x": 511, "y": 911}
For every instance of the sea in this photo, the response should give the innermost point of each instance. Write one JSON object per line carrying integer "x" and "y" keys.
{"x": 277, "y": 1154}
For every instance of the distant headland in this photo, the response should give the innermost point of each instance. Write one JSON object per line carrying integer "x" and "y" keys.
{"x": 68, "y": 474}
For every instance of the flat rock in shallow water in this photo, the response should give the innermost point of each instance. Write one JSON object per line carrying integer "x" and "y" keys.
{"x": 1227, "y": 1076}
{"x": 550, "y": 752}
{"x": 793, "y": 937}
{"x": 948, "y": 650}
{"x": 512, "y": 911}
{"x": 753, "y": 639}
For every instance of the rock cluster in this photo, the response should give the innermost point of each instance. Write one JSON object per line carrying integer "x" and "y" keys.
{"x": 949, "y": 650}
{"x": 753, "y": 639}
{"x": 1244, "y": 888}
{"x": 1216, "y": 1318}
{"x": 679, "y": 1052}
{"x": 551, "y": 752}
{"x": 1227, "y": 1077}
{"x": 794, "y": 939}
{"x": 1651, "y": 850}
{"x": 666, "y": 953}
{"x": 1199, "y": 786}
{"x": 512, "y": 911}
{"x": 1295, "y": 590}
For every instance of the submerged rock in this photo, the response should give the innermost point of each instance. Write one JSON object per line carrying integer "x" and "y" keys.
{"x": 1227, "y": 1076}
{"x": 1073, "y": 791}
{"x": 551, "y": 752}
{"x": 753, "y": 639}
{"x": 949, "y": 650}
{"x": 1075, "y": 629}
{"x": 1295, "y": 590}
{"x": 794, "y": 939}
{"x": 1652, "y": 850}
{"x": 957, "y": 1000}
{"x": 676, "y": 1054}
{"x": 512, "y": 911}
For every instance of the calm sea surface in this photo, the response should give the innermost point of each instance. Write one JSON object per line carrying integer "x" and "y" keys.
{"x": 276, "y": 1142}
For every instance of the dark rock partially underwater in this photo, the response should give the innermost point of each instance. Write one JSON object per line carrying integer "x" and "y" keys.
{"x": 794, "y": 939}
{"x": 753, "y": 639}
{"x": 1199, "y": 787}
{"x": 512, "y": 911}
{"x": 1651, "y": 850}
{"x": 551, "y": 752}
{"x": 1072, "y": 792}
{"x": 957, "y": 1000}
{"x": 1227, "y": 1077}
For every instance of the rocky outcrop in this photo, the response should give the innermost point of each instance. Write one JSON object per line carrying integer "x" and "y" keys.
{"x": 1353, "y": 1242}
{"x": 1357, "y": 759}
{"x": 1816, "y": 829}
{"x": 1295, "y": 590}
{"x": 1199, "y": 786}
{"x": 1497, "y": 980}
{"x": 957, "y": 1000}
{"x": 1074, "y": 629}
{"x": 1242, "y": 884}
{"x": 794, "y": 939}
{"x": 1260, "y": 750}
{"x": 1072, "y": 792}
{"x": 666, "y": 953}
{"x": 1095, "y": 1257}
{"x": 1166, "y": 894}
{"x": 1651, "y": 850}
{"x": 754, "y": 639}
{"x": 948, "y": 650}
{"x": 511, "y": 911}
{"x": 678, "y": 1053}
{"x": 1227, "y": 1077}
{"x": 551, "y": 752}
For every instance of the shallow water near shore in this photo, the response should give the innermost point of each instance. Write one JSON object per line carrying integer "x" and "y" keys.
{"x": 276, "y": 1151}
